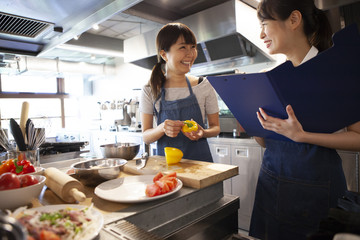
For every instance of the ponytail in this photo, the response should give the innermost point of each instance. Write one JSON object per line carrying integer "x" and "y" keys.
{"x": 322, "y": 36}
{"x": 157, "y": 79}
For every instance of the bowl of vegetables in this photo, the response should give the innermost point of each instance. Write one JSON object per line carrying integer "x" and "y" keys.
{"x": 19, "y": 190}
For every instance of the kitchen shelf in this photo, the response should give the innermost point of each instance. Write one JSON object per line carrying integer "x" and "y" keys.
{"x": 33, "y": 95}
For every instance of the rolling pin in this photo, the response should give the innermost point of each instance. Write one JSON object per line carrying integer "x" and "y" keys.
{"x": 66, "y": 187}
{"x": 24, "y": 117}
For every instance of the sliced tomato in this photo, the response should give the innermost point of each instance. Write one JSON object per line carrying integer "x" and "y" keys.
{"x": 157, "y": 176}
{"x": 163, "y": 186}
{"x": 170, "y": 184}
{"x": 152, "y": 190}
{"x": 48, "y": 235}
{"x": 172, "y": 174}
{"x": 168, "y": 176}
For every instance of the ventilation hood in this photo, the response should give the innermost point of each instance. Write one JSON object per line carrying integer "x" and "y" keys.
{"x": 33, "y": 29}
{"x": 228, "y": 39}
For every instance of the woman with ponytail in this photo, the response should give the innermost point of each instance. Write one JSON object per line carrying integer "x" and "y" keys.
{"x": 173, "y": 96}
{"x": 299, "y": 180}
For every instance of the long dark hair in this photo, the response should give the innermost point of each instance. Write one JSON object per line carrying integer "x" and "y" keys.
{"x": 316, "y": 25}
{"x": 167, "y": 36}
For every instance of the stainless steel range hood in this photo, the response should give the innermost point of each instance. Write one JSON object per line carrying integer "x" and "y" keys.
{"x": 228, "y": 39}
{"x": 33, "y": 29}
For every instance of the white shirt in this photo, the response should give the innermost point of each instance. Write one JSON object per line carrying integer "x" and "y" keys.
{"x": 311, "y": 53}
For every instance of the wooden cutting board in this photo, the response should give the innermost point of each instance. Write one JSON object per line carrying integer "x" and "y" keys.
{"x": 194, "y": 174}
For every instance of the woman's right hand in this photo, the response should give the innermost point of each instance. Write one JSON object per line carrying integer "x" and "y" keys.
{"x": 172, "y": 128}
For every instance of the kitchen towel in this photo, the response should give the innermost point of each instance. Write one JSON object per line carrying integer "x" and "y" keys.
{"x": 324, "y": 91}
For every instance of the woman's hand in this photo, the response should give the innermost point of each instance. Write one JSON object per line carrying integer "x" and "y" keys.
{"x": 289, "y": 127}
{"x": 172, "y": 128}
{"x": 195, "y": 135}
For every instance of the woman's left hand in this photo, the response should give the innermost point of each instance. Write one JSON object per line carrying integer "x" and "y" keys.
{"x": 289, "y": 127}
{"x": 195, "y": 135}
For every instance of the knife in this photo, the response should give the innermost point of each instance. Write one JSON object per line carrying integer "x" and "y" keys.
{"x": 141, "y": 163}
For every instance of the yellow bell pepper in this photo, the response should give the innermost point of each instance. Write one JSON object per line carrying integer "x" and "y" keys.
{"x": 190, "y": 126}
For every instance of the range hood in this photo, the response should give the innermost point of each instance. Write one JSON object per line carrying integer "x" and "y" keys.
{"x": 228, "y": 40}
{"x": 34, "y": 29}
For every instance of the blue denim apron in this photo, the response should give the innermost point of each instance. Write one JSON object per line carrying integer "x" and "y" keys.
{"x": 182, "y": 109}
{"x": 297, "y": 185}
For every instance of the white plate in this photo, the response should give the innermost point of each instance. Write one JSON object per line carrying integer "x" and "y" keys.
{"x": 97, "y": 216}
{"x": 130, "y": 189}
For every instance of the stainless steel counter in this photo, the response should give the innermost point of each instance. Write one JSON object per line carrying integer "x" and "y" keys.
{"x": 189, "y": 214}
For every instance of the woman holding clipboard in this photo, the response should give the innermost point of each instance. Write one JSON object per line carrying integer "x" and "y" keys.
{"x": 299, "y": 181}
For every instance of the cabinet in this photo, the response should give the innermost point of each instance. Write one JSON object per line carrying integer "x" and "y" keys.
{"x": 221, "y": 154}
{"x": 247, "y": 155}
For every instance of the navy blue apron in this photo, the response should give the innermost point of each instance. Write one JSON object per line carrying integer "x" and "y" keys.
{"x": 182, "y": 109}
{"x": 297, "y": 185}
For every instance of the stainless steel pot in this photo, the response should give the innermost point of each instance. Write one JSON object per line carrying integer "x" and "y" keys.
{"x": 120, "y": 150}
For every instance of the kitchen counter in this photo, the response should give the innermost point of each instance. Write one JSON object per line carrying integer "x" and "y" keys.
{"x": 206, "y": 212}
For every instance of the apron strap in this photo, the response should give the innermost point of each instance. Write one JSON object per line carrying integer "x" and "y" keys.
{"x": 163, "y": 95}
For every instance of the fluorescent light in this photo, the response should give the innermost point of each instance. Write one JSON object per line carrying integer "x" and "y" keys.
{"x": 91, "y": 50}
{"x": 95, "y": 27}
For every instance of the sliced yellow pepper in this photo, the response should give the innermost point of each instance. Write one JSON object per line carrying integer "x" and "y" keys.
{"x": 190, "y": 126}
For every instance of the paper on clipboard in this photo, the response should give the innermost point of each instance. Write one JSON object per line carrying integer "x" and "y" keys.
{"x": 324, "y": 91}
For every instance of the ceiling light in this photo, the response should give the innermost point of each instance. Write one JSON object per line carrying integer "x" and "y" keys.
{"x": 91, "y": 50}
{"x": 76, "y": 37}
{"x": 95, "y": 27}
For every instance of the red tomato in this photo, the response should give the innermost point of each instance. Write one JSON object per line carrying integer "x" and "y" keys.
{"x": 9, "y": 181}
{"x": 157, "y": 176}
{"x": 152, "y": 190}
{"x": 48, "y": 235}
{"x": 163, "y": 186}
{"x": 173, "y": 174}
{"x": 27, "y": 180}
{"x": 170, "y": 184}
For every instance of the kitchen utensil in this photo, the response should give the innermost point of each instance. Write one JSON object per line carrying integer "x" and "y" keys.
{"x": 11, "y": 229}
{"x": 120, "y": 150}
{"x": 141, "y": 162}
{"x": 35, "y": 136}
{"x": 194, "y": 174}
{"x": 66, "y": 187}
{"x": 31, "y": 155}
{"x": 4, "y": 141}
{"x": 17, "y": 134}
{"x": 24, "y": 117}
{"x": 173, "y": 155}
{"x": 13, "y": 198}
{"x": 95, "y": 171}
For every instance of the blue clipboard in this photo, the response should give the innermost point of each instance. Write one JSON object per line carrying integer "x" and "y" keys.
{"x": 324, "y": 91}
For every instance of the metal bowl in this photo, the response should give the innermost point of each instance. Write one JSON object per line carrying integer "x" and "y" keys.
{"x": 120, "y": 150}
{"x": 95, "y": 171}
